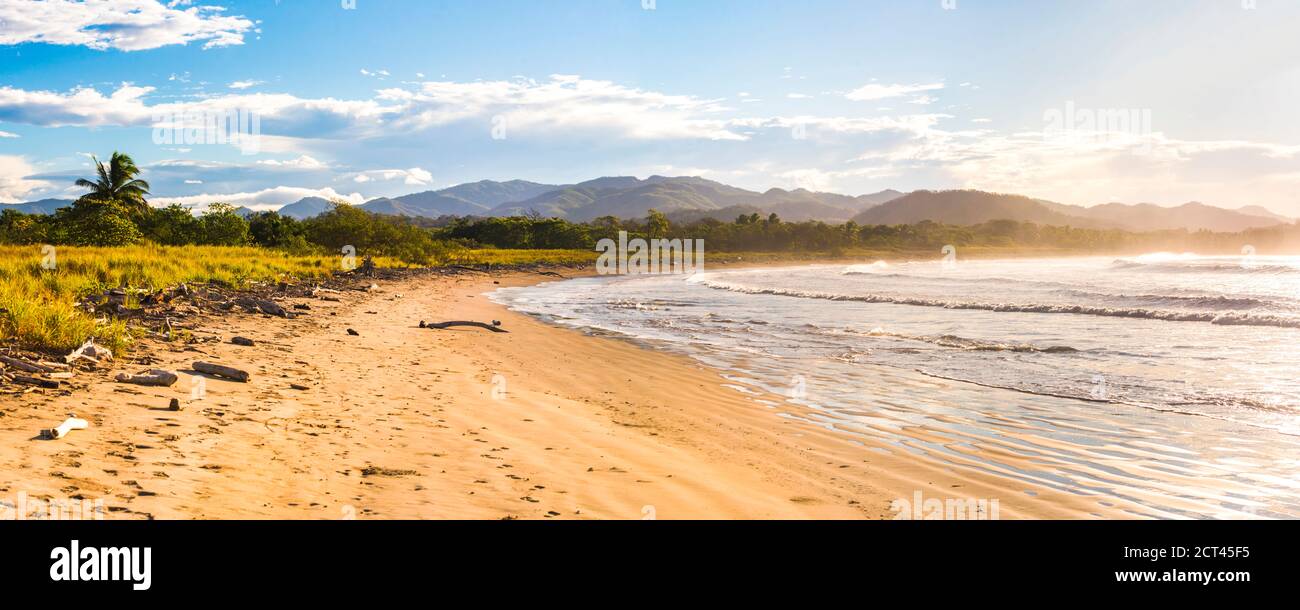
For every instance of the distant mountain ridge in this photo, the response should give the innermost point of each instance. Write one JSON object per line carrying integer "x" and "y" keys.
{"x": 630, "y": 197}
{"x": 689, "y": 198}
{"x": 968, "y": 207}
{"x": 43, "y": 206}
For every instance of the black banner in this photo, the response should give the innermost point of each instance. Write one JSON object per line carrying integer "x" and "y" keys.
{"x": 159, "y": 559}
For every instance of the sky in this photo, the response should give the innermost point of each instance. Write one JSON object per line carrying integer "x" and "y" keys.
{"x": 1161, "y": 101}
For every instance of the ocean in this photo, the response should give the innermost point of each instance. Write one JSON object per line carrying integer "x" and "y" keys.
{"x": 1168, "y": 381}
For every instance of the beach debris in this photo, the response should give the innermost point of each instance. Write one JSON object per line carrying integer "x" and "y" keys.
{"x": 303, "y": 306}
{"x": 244, "y": 341}
{"x": 494, "y": 327}
{"x": 298, "y": 386}
{"x": 25, "y": 365}
{"x": 380, "y": 471}
{"x": 152, "y": 377}
{"x": 353, "y": 333}
{"x": 265, "y": 306}
{"x": 48, "y": 384}
{"x": 89, "y": 351}
{"x": 317, "y": 292}
{"x": 222, "y": 371}
{"x": 174, "y": 405}
{"x": 68, "y": 425}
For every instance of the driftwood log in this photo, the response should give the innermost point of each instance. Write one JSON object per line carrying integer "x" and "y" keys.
{"x": 89, "y": 351}
{"x": 244, "y": 341}
{"x": 25, "y": 365}
{"x": 68, "y": 425}
{"x": 222, "y": 371}
{"x": 443, "y": 325}
{"x": 48, "y": 384}
{"x": 154, "y": 377}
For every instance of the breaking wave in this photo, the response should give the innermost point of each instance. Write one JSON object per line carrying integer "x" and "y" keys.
{"x": 1227, "y": 318}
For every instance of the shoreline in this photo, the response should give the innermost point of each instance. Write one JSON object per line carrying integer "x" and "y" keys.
{"x": 407, "y": 423}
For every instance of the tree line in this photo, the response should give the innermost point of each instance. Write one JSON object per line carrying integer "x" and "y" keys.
{"x": 114, "y": 212}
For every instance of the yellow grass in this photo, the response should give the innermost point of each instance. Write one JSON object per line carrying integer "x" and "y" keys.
{"x": 38, "y": 304}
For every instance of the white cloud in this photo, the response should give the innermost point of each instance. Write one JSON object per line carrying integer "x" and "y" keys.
{"x": 303, "y": 162}
{"x": 244, "y": 84}
{"x": 876, "y": 91}
{"x": 798, "y": 96}
{"x": 284, "y": 119}
{"x": 5, "y": 134}
{"x": 124, "y": 25}
{"x": 562, "y": 104}
{"x": 565, "y": 103}
{"x": 15, "y": 184}
{"x": 266, "y": 199}
{"x": 414, "y": 176}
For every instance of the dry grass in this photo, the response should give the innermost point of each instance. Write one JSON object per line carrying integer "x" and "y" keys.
{"x": 38, "y": 304}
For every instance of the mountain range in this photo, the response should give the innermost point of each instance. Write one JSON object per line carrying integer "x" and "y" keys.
{"x": 967, "y": 207}
{"x": 689, "y": 198}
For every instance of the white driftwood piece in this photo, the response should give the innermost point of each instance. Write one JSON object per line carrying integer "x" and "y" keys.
{"x": 153, "y": 377}
{"x": 68, "y": 425}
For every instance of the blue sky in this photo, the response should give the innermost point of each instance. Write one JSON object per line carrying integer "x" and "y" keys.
{"x": 1164, "y": 101}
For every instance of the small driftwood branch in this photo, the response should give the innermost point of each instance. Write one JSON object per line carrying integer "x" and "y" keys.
{"x": 244, "y": 341}
{"x": 496, "y": 328}
{"x": 222, "y": 371}
{"x": 154, "y": 377}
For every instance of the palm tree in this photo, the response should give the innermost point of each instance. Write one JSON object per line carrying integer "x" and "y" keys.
{"x": 117, "y": 183}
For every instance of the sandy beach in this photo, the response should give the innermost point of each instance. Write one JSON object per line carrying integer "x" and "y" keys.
{"x": 400, "y": 422}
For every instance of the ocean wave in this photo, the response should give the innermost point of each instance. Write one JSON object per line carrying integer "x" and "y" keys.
{"x": 1211, "y": 317}
{"x": 976, "y": 345}
{"x": 1244, "y": 265}
{"x": 1202, "y": 301}
{"x": 1220, "y": 406}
